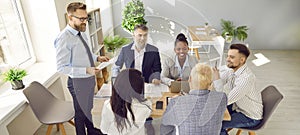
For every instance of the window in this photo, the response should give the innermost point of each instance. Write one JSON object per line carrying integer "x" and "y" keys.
{"x": 15, "y": 46}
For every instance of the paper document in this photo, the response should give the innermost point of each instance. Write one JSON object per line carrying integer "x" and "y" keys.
{"x": 201, "y": 33}
{"x": 200, "y": 28}
{"x": 261, "y": 59}
{"x": 105, "y": 64}
{"x": 152, "y": 90}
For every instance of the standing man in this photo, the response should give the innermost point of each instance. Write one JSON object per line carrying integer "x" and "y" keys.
{"x": 141, "y": 56}
{"x": 74, "y": 58}
{"x": 238, "y": 82}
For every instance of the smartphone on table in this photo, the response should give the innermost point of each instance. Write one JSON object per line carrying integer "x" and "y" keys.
{"x": 159, "y": 105}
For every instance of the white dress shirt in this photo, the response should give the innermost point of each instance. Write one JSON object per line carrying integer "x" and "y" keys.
{"x": 171, "y": 70}
{"x": 240, "y": 88}
{"x": 177, "y": 65}
{"x": 139, "y": 56}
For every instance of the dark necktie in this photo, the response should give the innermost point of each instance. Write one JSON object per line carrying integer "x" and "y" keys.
{"x": 87, "y": 50}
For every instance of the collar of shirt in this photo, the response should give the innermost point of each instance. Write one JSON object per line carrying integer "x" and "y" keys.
{"x": 72, "y": 30}
{"x": 240, "y": 70}
{"x": 134, "y": 48}
{"x": 186, "y": 63}
{"x": 199, "y": 92}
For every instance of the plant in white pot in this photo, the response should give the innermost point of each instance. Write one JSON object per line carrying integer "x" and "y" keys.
{"x": 15, "y": 76}
{"x": 231, "y": 32}
{"x": 133, "y": 14}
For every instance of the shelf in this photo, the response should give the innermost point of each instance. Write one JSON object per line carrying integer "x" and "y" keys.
{"x": 94, "y": 32}
{"x": 95, "y": 36}
{"x": 99, "y": 49}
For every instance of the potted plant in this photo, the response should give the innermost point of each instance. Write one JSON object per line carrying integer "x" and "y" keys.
{"x": 114, "y": 42}
{"x": 15, "y": 76}
{"x": 133, "y": 14}
{"x": 230, "y": 32}
{"x": 206, "y": 24}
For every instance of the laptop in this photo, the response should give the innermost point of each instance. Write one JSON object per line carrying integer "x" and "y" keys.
{"x": 177, "y": 86}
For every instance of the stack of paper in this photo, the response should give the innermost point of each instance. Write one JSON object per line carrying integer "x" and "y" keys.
{"x": 152, "y": 90}
{"x": 105, "y": 64}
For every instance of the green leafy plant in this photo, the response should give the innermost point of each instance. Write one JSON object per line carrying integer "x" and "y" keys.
{"x": 241, "y": 33}
{"x": 229, "y": 30}
{"x": 114, "y": 42}
{"x": 14, "y": 74}
{"x": 133, "y": 14}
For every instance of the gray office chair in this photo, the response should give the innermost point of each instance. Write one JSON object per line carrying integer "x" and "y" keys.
{"x": 47, "y": 108}
{"x": 270, "y": 98}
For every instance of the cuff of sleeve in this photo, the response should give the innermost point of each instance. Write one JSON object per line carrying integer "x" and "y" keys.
{"x": 218, "y": 84}
{"x": 82, "y": 71}
{"x": 169, "y": 83}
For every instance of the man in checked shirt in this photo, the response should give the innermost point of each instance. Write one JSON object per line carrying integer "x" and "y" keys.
{"x": 239, "y": 84}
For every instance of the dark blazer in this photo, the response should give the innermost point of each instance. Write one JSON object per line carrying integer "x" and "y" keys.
{"x": 151, "y": 66}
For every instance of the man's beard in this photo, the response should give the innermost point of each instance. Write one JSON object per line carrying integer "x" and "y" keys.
{"x": 230, "y": 65}
{"x": 140, "y": 45}
{"x": 81, "y": 27}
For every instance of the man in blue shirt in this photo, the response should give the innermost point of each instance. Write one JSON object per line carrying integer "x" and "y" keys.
{"x": 74, "y": 58}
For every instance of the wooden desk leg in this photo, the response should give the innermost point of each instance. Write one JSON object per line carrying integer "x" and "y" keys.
{"x": 196, "y": 53}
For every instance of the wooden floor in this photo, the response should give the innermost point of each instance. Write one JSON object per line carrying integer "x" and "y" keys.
{"x": 283, "y": 71}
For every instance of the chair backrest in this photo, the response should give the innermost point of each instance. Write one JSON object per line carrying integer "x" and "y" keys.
{"x": 40, "y": 99}
{"x": 270, "y": 98}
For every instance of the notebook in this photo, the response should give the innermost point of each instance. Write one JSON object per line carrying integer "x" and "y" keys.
{"x": 177, "y": 86}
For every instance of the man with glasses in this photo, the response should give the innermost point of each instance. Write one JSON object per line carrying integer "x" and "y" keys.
{"x": 74, "y": 58}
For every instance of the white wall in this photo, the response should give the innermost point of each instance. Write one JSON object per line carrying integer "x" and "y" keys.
{"x": 274, "y": 24}
{"x": 117, "y": 12}
{"x": 43, "y": 27}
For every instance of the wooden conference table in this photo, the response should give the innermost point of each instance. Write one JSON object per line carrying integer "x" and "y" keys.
{"x": 157, "y": 113}
{"x": 201, "y": 35}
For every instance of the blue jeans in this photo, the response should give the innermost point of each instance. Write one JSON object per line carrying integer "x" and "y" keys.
{"x": 237, "y": 120}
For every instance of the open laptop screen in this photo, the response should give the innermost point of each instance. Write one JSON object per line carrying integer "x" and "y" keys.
{"x": 177, "y": 86}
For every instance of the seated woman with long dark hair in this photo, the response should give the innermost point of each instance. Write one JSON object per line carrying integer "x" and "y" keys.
{"x": 127, "y": 109}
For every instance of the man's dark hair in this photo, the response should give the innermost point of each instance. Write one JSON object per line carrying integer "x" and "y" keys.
{"x": 72, "y": 7}
{"x": 141, "y": 26}
{"x": 243, "y": 49}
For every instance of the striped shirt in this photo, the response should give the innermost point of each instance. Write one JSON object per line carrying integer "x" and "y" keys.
{"x": 71, "y": 55}
{"x": 240, "y": 88}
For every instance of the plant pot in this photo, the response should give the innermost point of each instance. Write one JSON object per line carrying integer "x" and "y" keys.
{"x": 228, "y": 39}
{"x": 18, "y": 84}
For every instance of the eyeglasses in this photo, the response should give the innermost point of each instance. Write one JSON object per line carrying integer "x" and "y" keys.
{"x": 82, "y": 19}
